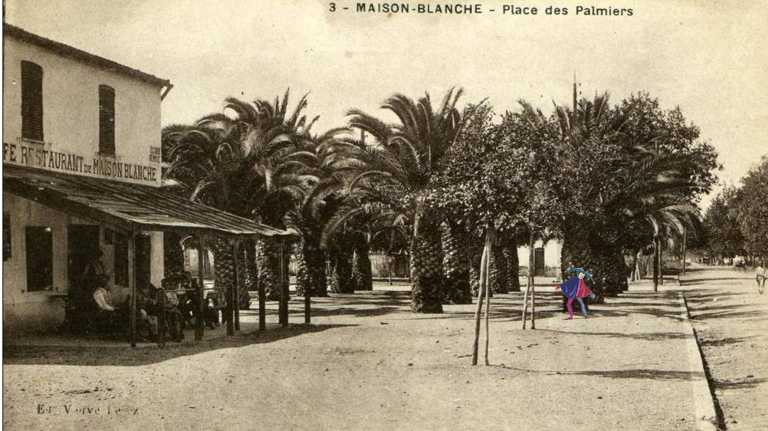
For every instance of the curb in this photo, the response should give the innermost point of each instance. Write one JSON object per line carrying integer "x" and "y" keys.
{"x": 703, "y": 399}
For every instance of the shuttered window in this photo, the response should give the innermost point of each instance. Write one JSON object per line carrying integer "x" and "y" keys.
{"x": 31, "y": 101}
{"x": 106, "y": 120}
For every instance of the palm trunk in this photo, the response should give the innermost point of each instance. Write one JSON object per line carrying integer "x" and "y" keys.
{"x": 605, "y": 258}
{"x": 426, "y": 263}
{"x": 456, "y": 264}
{"x": 268, "y": 263}
{"x": 224, "y": 268}
{"x": 513, "y": 265}
{"x": 362, "y": 275}
{"x": 310, "y": 269}
{"x": 341, "y": 264}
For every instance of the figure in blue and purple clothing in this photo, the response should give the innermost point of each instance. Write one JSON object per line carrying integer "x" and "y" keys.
{"x": 575, "y": 288}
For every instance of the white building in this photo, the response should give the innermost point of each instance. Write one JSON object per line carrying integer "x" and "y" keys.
{"x": 81, "y": 172}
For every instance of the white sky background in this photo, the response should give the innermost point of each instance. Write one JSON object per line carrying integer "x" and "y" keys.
{"x": 708, "y": 57}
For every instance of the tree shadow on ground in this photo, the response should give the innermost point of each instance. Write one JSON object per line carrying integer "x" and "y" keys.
{"x": 355, "y": 312}
{"x": 638, "y": 373}
{"x": 743, "y": 383}
{"x": 687, "y": 281}
{"x": 122, "y": 355}
{"x": 650, "y": 336}
{"x": 750, "y": 314}
{"x": 719, "y": 342}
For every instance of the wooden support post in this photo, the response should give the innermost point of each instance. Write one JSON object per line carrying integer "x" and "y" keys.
{"x": 232, "y": 293}
{"x": 479, "y": 309}
{"x": 283, "y": 287}
{"x": 490, "y": 239}
{"x": 685, "y": 247}
{"x": 661, "y": 264}
{"x": 308, "y": 304}
{"x": 236, "y": 299}
{"x": 132, "y": 286}
{"x": 200, "y": 321}
{"x": 262, "y": 303}
{"x": 161, "y": 317}
{"x": 532, "y": 259}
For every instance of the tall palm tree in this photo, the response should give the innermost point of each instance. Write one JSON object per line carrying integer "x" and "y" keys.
{"x": 407, "y": 154}
{"x": 315, "y": 210}
{"x": 210, "y": 164}
{"x": 270, "y": 136}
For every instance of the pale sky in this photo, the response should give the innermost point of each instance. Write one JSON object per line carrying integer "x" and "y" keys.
{"x": 708, "y": 57}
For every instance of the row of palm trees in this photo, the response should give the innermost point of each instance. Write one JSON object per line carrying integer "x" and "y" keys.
{"x": 373, "y": 183}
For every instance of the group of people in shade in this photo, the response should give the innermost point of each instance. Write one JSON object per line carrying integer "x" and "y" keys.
{"x": 113, "y": 314}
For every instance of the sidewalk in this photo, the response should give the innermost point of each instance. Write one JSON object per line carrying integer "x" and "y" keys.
{"x": 369, "y": 363}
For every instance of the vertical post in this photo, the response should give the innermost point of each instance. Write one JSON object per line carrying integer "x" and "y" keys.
{"x": 161, "y": 318}
{"x": 532, "y": 263}
{"x": 489, "y": 242}
{"x": 307, "y": 305}
{"x": 200, "y": 321}
{"x": 283, "y": 287}
{"x": 655, "y": 265}
{"x": 262, "y": 298}
{"x": 661, "y": 265}
{"x": 233, "y": 292}
{"x": 132, "y": 286}
{"x": 236, "y": 292}
{"x": 479, "y": 309}
{"x": 685, "y": 246}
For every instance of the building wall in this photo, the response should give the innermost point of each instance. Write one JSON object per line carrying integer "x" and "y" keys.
{"x": 30, "y": 311}
{"x": 71, "y": 109}
{"x": 552, "y": 250}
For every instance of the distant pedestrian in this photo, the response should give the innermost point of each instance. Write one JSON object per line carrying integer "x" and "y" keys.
{"x": 761, "y": 273}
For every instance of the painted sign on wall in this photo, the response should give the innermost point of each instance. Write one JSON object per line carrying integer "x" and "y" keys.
{"x": 36, "y": 156}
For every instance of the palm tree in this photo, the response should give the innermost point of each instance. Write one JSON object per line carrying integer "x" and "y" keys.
{"x": 316, "y": 209}
{"x": 209, "y": 163}
{"x": 269, "y": 137}
{"x": 408, "y": 154}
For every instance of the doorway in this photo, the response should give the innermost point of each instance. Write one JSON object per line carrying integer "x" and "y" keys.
{"x": 82, "y": 247}
{"x": 143, "y": 260}
{"x": 539, "y": 264}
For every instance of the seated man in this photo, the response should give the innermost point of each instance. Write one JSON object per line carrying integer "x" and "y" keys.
{"x": 109, "y": 315}
{"x": 148, "y": 308}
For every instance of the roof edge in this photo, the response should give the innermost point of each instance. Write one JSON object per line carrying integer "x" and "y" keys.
{"x": 64, "y": 49}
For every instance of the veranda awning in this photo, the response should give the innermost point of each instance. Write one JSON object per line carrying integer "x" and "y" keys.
{"x": 127, "y": 206}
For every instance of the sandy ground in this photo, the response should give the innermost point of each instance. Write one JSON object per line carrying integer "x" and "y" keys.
{"x": 731, "y": 321}
{"x": 367, "y": 362}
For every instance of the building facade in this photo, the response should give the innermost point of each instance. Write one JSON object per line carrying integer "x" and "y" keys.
{"x": 70, "y": 112}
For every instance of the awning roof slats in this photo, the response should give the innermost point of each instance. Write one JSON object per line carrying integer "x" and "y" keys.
{"x": 152, "y": 208}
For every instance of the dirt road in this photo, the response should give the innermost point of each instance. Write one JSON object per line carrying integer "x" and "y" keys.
{"x": 369, "y": 363}
{"x": 731, "y": 322}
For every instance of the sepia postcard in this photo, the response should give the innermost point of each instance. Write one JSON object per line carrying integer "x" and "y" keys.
{"x": 385, "y": 215}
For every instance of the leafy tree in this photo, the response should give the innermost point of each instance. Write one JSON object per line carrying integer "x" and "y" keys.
{"x": 752, "y": 212}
